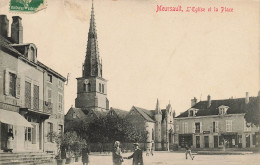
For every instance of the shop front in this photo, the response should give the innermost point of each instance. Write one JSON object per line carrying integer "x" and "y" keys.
{"x": 230, "y": 139}
{"x": 12, "y": 127}
{"x": 185, "y": 139}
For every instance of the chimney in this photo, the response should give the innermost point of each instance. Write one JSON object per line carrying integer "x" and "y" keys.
{"x": 247, "y": 98}
{"x": 4, "y": 26}
{"x": 193, "y": 101}
{"x": 209, "y": 101}
{"x": 17, "y": 30}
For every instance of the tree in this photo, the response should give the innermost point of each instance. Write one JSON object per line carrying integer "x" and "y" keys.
{"x": 252, "y": 110}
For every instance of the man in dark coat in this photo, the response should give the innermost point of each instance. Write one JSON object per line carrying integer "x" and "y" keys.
{"x": 137, "y": 155}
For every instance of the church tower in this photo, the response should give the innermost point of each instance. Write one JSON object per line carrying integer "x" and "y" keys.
{"x": 92, "y": 87}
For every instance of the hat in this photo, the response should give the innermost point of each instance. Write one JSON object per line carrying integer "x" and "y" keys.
{"x": 135, "y": 144}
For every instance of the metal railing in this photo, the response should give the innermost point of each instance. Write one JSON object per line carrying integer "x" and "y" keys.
{"x": 37, "y": 104}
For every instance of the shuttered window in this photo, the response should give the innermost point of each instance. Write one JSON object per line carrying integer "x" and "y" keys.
{"x": 27, "y": 94}
{"x": 12, "y": 84}
{"x": 36, "y": 97}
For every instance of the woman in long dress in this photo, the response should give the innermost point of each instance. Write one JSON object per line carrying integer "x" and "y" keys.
{"x": 117, "y": 157}
{"x": 10, "y": 138}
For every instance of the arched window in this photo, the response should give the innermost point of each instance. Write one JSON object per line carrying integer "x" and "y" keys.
{"x": 84, "y": 87}
{"x": 103, "y": 88}
{"x": 89, "y": 87}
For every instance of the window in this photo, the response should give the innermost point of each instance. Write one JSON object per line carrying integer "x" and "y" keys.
{"x": 197, "y": 127}
{"x": 28, "y": 134}
{"x": 27, "y": 94}
{"x": 36, "y": 97}
{"x": 60, "y": 129}
{"x": 206, "y": 141}
{"x": 99, "y": 87}
{"x": 60, "y": 84}
{"x": 215, "y": 126}
{"x": 223, "y": 109}
{"x": 31, "y": 55}
{"x": 12, "y": 84}
{"x": 103, "y": 88}
{"x": 89, "y": 87}
{"x": 49, "y": 78}
{"x": 84, "y": 87}
{"x": 185, "y": 127}
{"x": 49, "y": 95}
{"x": 254, "y": 139}
{"x": 50, "y": 130}
{"x": 177, "y": 128}
{"x": 60, "y": 103}
{"x": 229, "y": 125}
{"x": 74, "y": 115}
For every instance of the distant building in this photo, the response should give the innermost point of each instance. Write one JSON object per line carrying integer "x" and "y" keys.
{"x": 31, "y": 94}
{"x": 217, "y": 124}
{"x": 157, "y": 123}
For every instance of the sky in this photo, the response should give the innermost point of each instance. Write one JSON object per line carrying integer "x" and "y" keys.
{"x": 172, "y": 56}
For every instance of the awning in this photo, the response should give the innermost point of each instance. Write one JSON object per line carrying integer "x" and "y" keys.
{"x": 13, "y": 118}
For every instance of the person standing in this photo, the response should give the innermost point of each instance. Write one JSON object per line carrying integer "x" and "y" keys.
{"x": 10, "y": 138}
{"x": 85, "y": 153}
{"x": 188, "y": 151}
{"x": 137, "y": 155}
{"x": 116, "y": 155}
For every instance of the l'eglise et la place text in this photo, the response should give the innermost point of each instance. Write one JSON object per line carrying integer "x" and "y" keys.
{"x": 169, "y": 8}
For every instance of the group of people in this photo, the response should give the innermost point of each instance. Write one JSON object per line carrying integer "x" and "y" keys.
{"x": 117, "y": 155}
{"x": 137, "y": 155}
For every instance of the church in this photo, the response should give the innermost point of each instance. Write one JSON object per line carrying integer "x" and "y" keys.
{"x": 92, "y": 101}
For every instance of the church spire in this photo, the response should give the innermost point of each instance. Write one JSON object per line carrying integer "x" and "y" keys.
{"x": 92, "y": 66}
{"x": 157, "y": 108}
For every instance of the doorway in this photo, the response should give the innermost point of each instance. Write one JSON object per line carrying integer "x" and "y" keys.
{"x": 197, "y": 141}
{"x": 247, "y": 141}
{"x": 215, "y": 141}
{"x": 206, "y": 141}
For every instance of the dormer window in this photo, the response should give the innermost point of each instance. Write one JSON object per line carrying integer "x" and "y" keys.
{"x": 223, "y": 109}
{"x": 192, "y": 112}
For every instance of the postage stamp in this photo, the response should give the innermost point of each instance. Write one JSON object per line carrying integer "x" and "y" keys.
{"x": 30, "y": 6}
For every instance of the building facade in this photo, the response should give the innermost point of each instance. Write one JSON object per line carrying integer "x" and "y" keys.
{"x": 31, "y": 94}
{"x": 217, "y": 124}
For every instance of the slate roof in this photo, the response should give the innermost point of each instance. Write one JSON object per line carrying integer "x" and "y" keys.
{"x": 8, "y": 46}
{"x": 236, "y": 106}
{"x": 120, "y": 113}
{"x": 147, "y": 114}
{"x": 5, "y": 44}
{"x": 100, "y": 113}
{"x": 77, "y": 111}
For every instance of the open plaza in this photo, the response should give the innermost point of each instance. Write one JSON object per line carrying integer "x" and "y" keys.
{"x": 173, "y": 158}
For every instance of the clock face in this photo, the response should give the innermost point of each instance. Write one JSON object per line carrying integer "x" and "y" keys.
{"x": 86, "y": 81}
